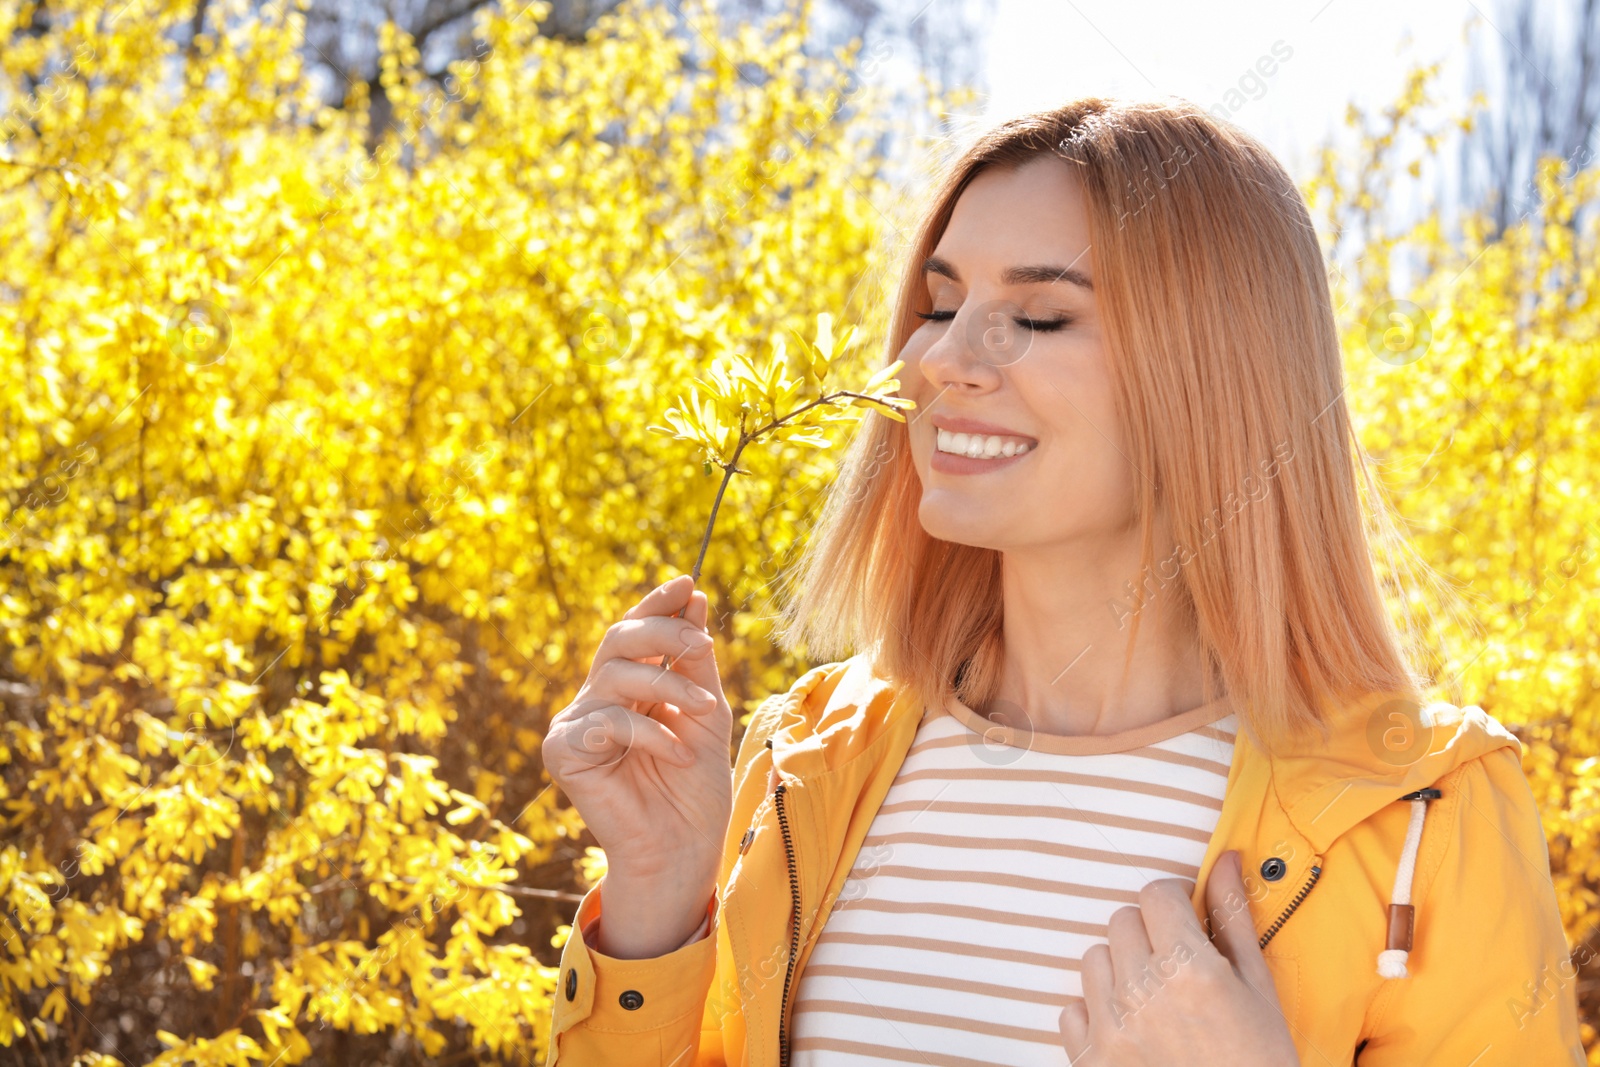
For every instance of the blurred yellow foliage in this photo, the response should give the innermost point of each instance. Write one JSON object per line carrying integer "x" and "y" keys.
{"x": 326, "y": 462}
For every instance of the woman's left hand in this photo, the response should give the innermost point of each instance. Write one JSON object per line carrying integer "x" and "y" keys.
{"x": 1160, "y": 994}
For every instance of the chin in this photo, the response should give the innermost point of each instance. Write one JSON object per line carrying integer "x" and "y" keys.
{"x": 972, "y": 526}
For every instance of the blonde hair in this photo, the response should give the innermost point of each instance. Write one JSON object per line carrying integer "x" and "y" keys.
{"x": 1226, "y": 365}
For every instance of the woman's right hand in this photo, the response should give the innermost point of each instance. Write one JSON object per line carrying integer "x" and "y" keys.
{"x": 642, "y": 753}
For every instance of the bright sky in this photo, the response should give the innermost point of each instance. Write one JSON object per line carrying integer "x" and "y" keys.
{"x": 1322, "y": 54}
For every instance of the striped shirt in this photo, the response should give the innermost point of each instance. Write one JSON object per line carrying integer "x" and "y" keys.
{"x": 993, "y": 864}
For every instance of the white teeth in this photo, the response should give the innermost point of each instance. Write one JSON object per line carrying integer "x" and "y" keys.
{"x": 979, "y": 446}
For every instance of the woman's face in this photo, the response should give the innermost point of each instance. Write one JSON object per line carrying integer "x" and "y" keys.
{"x": 1015, "y": 343}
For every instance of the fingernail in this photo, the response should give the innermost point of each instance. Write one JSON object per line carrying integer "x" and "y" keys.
{"x": 695, "y": 640}
{"x": 684, "y": 753}
{"x": 701, "y": 697}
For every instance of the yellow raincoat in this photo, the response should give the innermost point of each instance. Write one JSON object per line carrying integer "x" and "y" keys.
{"x": 1488, "y": 979}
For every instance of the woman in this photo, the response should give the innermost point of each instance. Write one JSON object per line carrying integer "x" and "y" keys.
{"x": 1131, "y": 767}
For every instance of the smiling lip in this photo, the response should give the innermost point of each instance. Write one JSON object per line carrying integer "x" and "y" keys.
{"x": 954, "y": 425}
{"x": 952, "y": 463}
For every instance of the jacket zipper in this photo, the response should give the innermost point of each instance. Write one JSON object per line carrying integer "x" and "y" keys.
{"x": 1316, "y": 872}
{"x": 794, "y": 919}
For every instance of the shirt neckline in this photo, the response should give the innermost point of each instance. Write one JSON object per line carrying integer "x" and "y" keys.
{"x": 1020, "y": 736}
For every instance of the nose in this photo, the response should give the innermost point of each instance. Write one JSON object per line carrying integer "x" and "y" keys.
{"x": 976, "y": 343}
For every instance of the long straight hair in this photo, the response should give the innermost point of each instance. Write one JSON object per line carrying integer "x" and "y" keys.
{"x": 1227, "y": 375}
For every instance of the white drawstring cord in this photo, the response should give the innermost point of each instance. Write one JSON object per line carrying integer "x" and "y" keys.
{"x": 1402, "y": 916}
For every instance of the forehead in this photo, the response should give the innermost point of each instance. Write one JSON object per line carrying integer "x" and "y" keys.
{"x": 1033, "y": 213}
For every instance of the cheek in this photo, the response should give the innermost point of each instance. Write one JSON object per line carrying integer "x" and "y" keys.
{"x": 1074, "y": 387}
{"x": 914, "y": 349}
{"x": 1077, "y": 411}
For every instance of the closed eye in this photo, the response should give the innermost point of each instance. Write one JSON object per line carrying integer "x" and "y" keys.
{"x": 1036, "y": 325}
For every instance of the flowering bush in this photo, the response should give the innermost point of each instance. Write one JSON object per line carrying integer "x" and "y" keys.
{"x": 322, "y": 470}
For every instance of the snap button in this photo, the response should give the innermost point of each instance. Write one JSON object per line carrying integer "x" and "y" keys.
{"x": 572, "y": 983}
{"x": 631, "y": 999}
{"x": 1273, "y": 869}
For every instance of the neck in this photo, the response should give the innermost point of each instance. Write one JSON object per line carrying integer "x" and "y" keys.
{"x": 1068, "y": 617}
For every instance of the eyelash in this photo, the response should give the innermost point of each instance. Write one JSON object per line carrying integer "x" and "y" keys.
{"x": 1036, "y": 325}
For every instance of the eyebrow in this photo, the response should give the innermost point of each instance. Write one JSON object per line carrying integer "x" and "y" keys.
{"x": 1014, "y": 275}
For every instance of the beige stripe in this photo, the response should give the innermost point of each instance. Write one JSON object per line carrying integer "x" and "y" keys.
{"x": 1034, "y": 811}
{"x": 993, "y": 878}
{"x": 955, "y": 948}
{"x": 884, "y": 1052}
{"x": 1160, "y": 755}
{"x": 928, "y": 1018}
{"x": 1045, "y": 848}
{"x": 1093, "y": 744}
{"x": 936, "y": 981}
{"x": 1183, "y": 759}
{"x": 960, "y": 740}
{"x": 998, "y": 916}
{"x": 1006, "y": 774}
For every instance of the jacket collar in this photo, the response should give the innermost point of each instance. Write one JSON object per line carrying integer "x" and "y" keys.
{"x": 1376, "y": 753}
{"x": 833, "y": 713}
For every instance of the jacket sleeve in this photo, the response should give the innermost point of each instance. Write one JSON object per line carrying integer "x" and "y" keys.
{"x": 1491, "y": 978}
{"x": 592, "y": 1024}
{"x": 672, "y": 1017}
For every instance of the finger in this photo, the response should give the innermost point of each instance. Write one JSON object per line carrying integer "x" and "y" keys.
{"x": 698, "y": 610}
{"x": 665, "y": 599}
{"x": 648, "y": 639}
{"x": 1232, "y": 927}
{"x": 1130, "y": 948}
{"x": 1167, "y": 907}
{"x": 1074, "y": 1024}
{"x": 606, "y": 735}
{"x": 699, "y": 666}
{"x": 620, "y": 681}
{"x": 684, "y": 727}
{"x": 1099, "y": 994}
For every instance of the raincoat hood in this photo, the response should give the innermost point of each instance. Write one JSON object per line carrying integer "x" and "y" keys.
{"x": 1329, "y": 788}
{"x": 1397, "y": 876}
